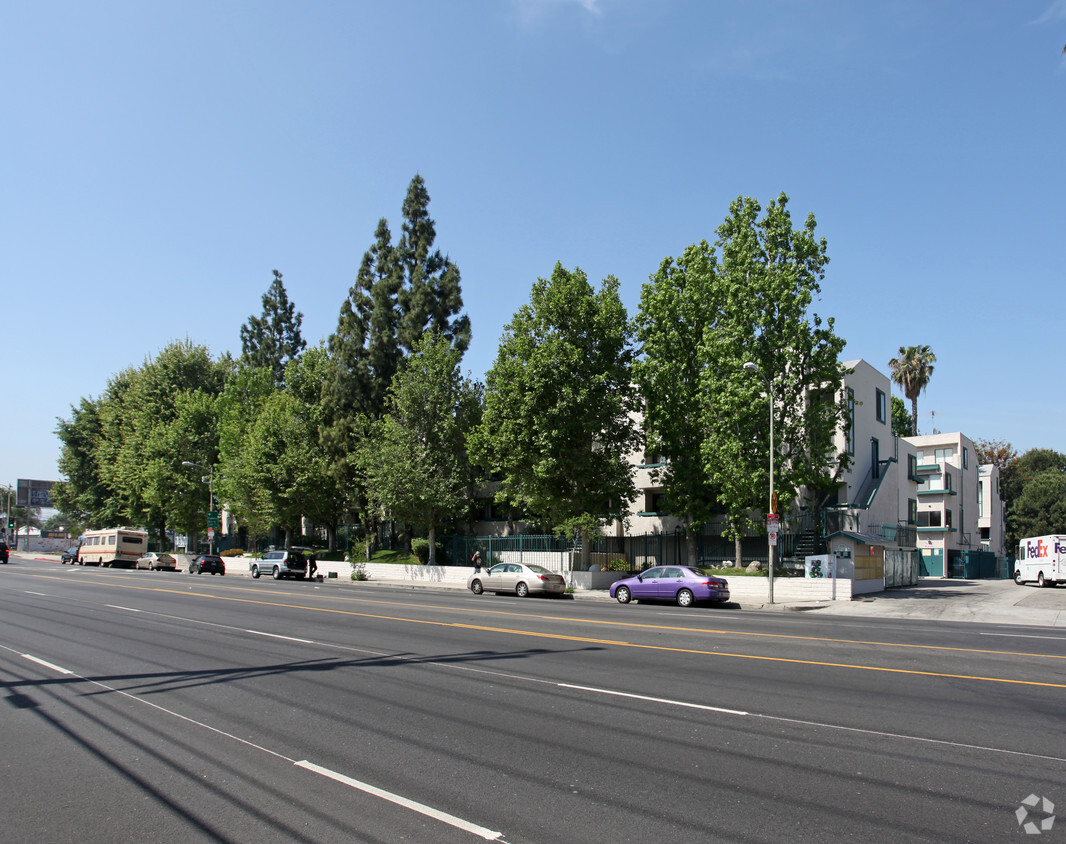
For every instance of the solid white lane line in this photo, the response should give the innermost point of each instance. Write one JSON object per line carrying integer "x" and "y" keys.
{"x": 279, "y": 636}
{"x": 683, "y": 703}
{"x": 799, "y": 721}
{"x": 42, "y": 594}
{"x": 1025, "y": 636}
{"x": 46, "y": 664}
{"x": 421, "y": 808}
{"x": 117, "y": 607}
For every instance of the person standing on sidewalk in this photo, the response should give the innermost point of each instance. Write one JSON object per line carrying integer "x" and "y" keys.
{"x": 476, "y": 560}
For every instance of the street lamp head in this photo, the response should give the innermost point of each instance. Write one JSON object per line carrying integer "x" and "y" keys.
{"x": 187, "y": 463}
{"x": 752, "y": 367}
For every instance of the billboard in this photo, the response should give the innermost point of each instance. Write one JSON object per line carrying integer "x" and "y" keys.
{"x": 34, "y": 493}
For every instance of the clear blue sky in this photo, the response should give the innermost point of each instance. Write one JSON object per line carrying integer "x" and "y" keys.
{"x": 160, "y": 159}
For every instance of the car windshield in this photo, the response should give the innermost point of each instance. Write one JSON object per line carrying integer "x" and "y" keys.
{"x": 539, "y": 570}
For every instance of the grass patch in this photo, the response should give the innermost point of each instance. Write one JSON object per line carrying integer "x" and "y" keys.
{"x": 398, "y": 558}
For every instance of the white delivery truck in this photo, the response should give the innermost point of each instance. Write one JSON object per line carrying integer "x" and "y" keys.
{"x": 1042, "y": 560}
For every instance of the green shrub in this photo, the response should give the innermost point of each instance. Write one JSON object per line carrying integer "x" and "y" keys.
{"x": 420, "y": 548}
{"x": 232, "y": 552}
{"x": 359, "y": 571}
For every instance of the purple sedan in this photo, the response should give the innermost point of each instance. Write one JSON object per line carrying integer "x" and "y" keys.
{"x": 682, "y": 584}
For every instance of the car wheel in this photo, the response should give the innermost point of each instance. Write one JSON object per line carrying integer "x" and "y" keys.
{"x": 1018, "y": 577}
{"x": 521, "y": 590}
{"x": 1040, "y": 580}
{"x": 221, "y": 574}
{"x": 623, "y": 595}
{"x": 192, "y": 568}
{"x": 476, "y": 587}
{"x": 151, "y": 567}
{"x": 684, "y": 598}
{"x": 255, "y": 572}
{"x": 276, "y": 573}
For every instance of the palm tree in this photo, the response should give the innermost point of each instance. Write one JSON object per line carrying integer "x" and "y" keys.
{"x": 911, "y": 372}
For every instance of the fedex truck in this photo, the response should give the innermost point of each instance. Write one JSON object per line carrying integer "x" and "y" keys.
{"x": 1041, "y": 560}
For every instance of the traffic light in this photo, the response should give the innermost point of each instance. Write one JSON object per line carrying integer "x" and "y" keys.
{"x": 10, "y": 524}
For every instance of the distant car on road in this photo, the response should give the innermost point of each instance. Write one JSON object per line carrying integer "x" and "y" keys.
{"x": 682, "y": 585}
{"x": 207, "y": 562}
{"x": 157, "y": 562}
{"x": 519, "y": 579}
{"x": 3, "y": 552}
{"x": 70, "y": 555}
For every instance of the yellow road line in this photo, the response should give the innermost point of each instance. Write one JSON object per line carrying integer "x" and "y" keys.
{"x": 588, "y": 640}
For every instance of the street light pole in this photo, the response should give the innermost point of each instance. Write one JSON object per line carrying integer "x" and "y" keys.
{"x": 752, "y": 367}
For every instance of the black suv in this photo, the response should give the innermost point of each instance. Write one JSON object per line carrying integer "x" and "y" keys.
{"x": 3, "y": 551}
{"x": 207, "y": 562}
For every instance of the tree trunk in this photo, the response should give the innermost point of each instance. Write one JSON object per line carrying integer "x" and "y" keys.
{"x": 739, "y": 551}
{"x": 690, "y": 545}
{"x": 914, "y": 415}
{"x": 432, "y": 545}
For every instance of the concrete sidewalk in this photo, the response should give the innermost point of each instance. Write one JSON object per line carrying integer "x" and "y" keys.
{"x": 988, "y": 601}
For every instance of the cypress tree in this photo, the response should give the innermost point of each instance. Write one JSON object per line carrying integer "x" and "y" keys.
{"x": 272, "y": 340}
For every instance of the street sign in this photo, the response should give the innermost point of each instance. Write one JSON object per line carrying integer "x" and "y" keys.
{"x": 212, "y": 519}
{"x": 210, "y": 534}
{"x": 773, "y": 503}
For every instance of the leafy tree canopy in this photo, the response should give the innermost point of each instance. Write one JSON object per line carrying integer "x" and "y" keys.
{"x": 558, "y": 402}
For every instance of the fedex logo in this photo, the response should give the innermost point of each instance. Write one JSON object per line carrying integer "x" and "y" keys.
{"x": 1060, "y": 548}
{"x": 1039, "y": 549}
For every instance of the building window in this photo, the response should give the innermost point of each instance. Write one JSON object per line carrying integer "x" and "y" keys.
{"x": 912, "y": 468}
{"x": 850, "y": 433}
{"x": 930, "y": 518}
{"x": 965, "y": 457}
{"x": 943, "y": 455}
{"x": 981, "y": 499}
{"x": 947, "y": 480}
{"x": 912, "y": 511}
{"x": 882, "y": 410}
{"x": 655, "y": 503}
{"x": 947, "y": 518}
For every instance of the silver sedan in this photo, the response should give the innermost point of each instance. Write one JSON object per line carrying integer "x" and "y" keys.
{"x": 518, "y": 579}
{"x": 157, "y": 562}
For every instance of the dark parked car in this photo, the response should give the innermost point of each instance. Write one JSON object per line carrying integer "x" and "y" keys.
{"x": 3, "y": 552}
{"x": 680, "y": 584}
{"x": 207, "y": 562}
{"x": 70, "y": 555}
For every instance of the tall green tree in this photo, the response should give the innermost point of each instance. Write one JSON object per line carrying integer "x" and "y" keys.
{"x": 559, "y": 400}
{"x": 911, "y": 370}
{"x": 1023, "y": 506}
{"x": 679, "y": 306}
{"x": 273, "y": 339}
{"x": 702, "y": 318}
{"x": 1039, "y": 508}
{"x": 419, "y": 473}
{"x": 902, "y": 423}
{"x": 401, "y": 292}
{"x": 238, "y": 406}
{"x": 430, "y": 298}
{"x": 122, "y": 453}
{"x": 83, "y": 494}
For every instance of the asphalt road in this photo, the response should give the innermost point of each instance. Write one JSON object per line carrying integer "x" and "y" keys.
{"x": 145, "y": 706}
